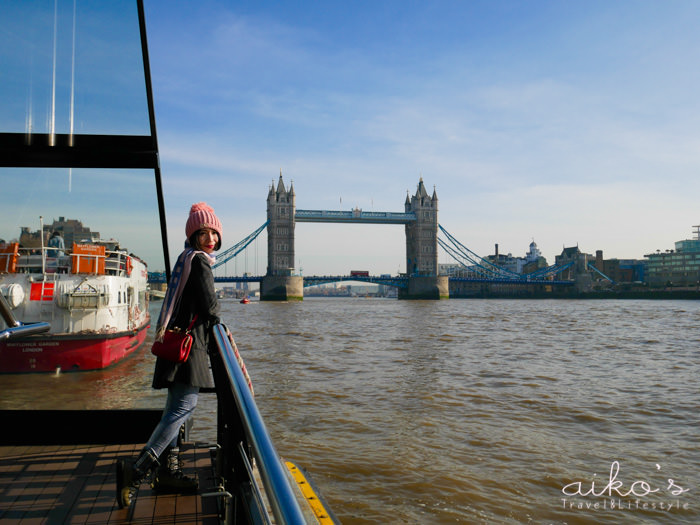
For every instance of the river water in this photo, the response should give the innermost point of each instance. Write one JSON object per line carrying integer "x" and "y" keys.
{"x": 459, "y": 411}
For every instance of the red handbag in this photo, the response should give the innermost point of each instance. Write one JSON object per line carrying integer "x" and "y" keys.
{"x": 175, "y": 345}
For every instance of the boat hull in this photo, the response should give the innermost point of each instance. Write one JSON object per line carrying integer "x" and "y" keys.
{"x": 70, "y": 352}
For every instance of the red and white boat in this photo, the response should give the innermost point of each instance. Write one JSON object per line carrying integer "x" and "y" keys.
{"x": 94, "y": 296}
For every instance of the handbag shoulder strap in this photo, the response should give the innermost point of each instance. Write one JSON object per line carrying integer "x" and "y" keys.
{"x": 192, "y": 323}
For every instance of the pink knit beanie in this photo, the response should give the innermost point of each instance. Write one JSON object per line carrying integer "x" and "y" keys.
{"x": 202, "y": 216}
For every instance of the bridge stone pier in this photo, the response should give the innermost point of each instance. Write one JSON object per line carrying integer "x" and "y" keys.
{"x": 420, "y": 218}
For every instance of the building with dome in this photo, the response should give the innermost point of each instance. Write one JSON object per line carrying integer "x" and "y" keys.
{"x": 532, "y": 261}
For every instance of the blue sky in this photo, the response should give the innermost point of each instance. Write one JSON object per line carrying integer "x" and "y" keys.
{"x": 563, "y": 122}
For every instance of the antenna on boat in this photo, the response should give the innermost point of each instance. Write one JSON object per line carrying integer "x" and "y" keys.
{"x": 41, "y": 239}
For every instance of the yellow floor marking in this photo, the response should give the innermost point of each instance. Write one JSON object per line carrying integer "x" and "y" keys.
{"x": 309, "y": 494}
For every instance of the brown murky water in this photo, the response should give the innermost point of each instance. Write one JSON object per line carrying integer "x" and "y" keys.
{"x": 471, "y": 411}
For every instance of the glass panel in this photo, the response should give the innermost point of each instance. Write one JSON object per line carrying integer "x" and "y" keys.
{"x": 76, "y": 67}
{"x": 72, "y": 67}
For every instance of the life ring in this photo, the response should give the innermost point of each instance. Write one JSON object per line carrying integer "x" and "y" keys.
{"x": 129, "y": 266}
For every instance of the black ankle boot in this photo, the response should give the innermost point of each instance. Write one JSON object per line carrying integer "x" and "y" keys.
{"x": 170, "y": 477}
{"x": 130, "y": 474}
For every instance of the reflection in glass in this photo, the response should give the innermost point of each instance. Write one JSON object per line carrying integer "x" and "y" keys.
{"x": 119, "y": 204}
{"x": 77, "y": 147}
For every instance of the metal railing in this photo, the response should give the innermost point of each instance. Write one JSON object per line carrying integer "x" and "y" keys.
{"x": 241, "y": 434}
{"x": 53, "y": 260}
{"x": 14, "y": 327}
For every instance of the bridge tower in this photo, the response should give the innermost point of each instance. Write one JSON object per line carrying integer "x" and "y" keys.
{"x": 279, "y": 284}
{"x": 422, "y": 248}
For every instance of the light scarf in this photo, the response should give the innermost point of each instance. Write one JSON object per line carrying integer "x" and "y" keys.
{"x": 178, "y": 279}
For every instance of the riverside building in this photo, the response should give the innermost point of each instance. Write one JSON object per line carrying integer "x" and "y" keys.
{"x": 679, "y": 267}
{"x": 532, "y": 261}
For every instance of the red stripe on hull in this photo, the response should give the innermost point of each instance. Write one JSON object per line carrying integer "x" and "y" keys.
{"x": 69, "y": 353}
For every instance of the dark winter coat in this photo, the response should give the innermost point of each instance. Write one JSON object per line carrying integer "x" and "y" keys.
{"x": 198, "y": 297}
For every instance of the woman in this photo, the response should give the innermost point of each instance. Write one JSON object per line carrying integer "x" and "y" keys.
{"x": 190, "y": 299}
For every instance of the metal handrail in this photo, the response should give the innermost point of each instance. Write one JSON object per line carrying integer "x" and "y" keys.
{"x": 25, "y": 330}
{"x": 278, "y": 489}
{"x": 14, "y": 327}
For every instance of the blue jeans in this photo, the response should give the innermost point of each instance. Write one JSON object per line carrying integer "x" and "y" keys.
{"x": 182, "y": 400}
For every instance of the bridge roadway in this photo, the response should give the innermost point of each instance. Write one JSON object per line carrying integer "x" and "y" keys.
{"x": 397, "y": 281}
{"x": 354, "y": 216}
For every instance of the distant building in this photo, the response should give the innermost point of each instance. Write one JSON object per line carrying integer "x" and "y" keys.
{"x": 579, "y": 259}
{"x": 72, "y": 230}
{"x": 621, "y": 270}
{"x": 532, "y": 261}
{"x": 679, "y": 267}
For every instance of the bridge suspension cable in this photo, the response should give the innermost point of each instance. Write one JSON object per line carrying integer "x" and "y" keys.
{"x": 592, "y": 267}
{"x": 479, "y": 265}
{"x": 473, "y": 262}
{"x": 237, "y": 248}
{"x": 549, "y": 270}
{"x": 457, "y": 256}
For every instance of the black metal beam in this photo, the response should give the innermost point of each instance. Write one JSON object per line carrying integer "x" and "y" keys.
{"x": 154, "y": 134}
{"x": 20, "y": 150}
{"x": 67, "y": 427}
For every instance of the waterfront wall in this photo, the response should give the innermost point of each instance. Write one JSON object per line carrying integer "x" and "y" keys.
{"x": 471, "y": 290}
{"x": 476, "y": 290}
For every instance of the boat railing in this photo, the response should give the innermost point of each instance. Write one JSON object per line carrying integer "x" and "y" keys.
{"x": 242, "y": 437}
{"x": 52, "y": 260}
{"x": 117, "y": 263}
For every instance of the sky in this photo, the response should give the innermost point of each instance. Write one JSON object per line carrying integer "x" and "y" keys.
{"x": 567, "y": 123}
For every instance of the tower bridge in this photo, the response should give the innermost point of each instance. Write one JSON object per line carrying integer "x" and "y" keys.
{"x": 420, "y": 220}
{"x": 422, "y": 279}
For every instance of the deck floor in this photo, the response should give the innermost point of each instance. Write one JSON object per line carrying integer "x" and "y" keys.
{"x": 76, "y": 484}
